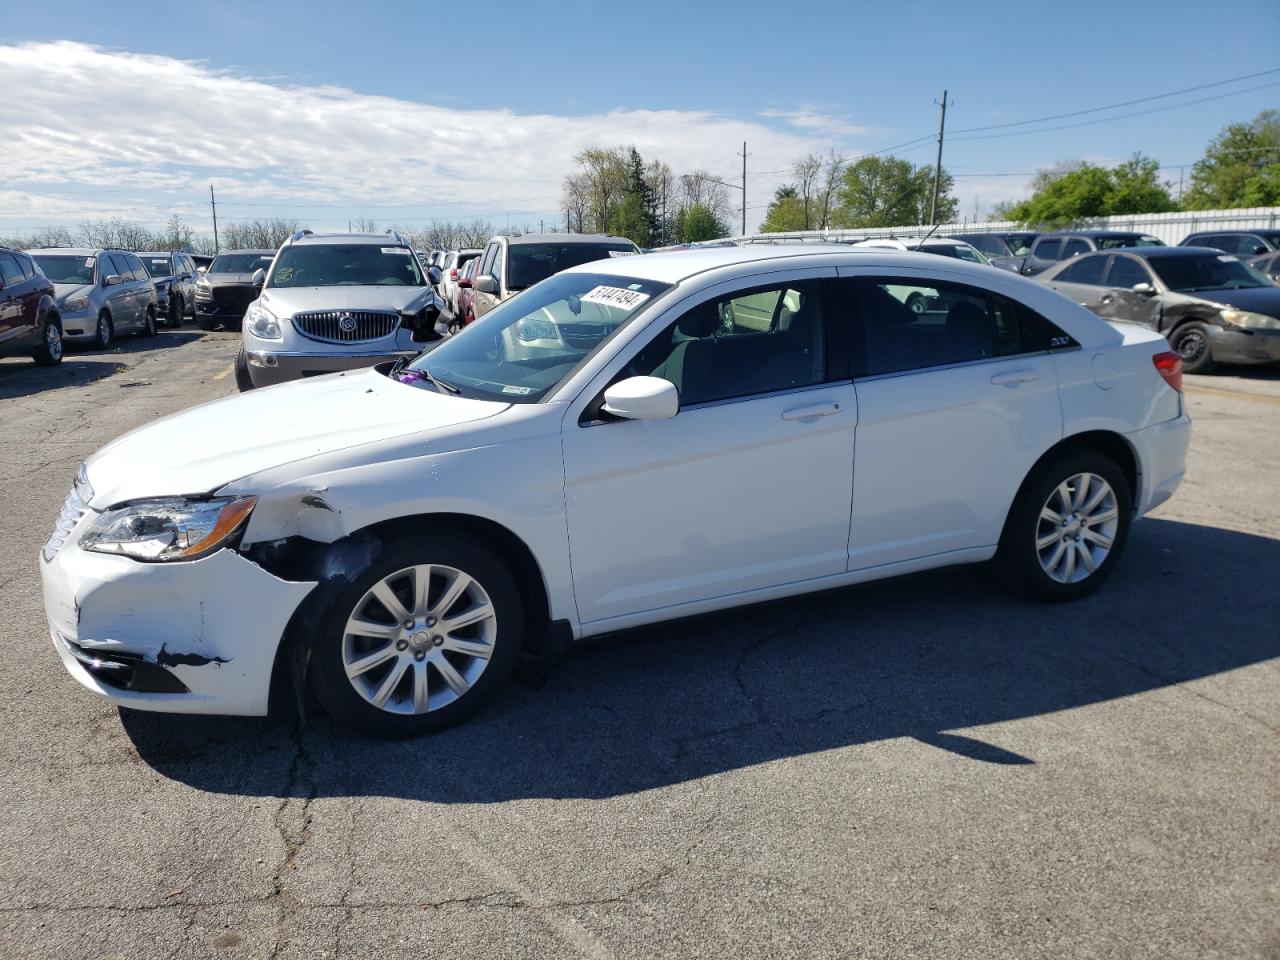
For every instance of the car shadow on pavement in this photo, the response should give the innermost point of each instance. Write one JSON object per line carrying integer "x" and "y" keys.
{"x": 919, "y": 657}
{"x": 82, "y": 366}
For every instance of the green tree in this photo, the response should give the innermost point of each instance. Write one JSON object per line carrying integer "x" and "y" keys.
{"x": 1240, "y": 167}
{"x": 698, "y": 223}
{"x": 889, "y": 192}
{"x": 786, "y": 213}
{"x": 1073, "y": 192}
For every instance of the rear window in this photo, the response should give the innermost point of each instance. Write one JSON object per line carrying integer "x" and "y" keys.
{"x": 1128, "y": 240}
{"x": 530, "y": 263}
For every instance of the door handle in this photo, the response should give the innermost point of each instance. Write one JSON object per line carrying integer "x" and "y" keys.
{"x": 812, "y": 412}
{"x": 1014, "y": 377}
{"x": 1107, "y": 298}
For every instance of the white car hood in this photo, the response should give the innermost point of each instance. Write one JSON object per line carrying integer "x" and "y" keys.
{"x": 204, "y": 448}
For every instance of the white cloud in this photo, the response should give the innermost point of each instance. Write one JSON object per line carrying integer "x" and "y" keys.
{"x": 813, "y": 121}
{"x": 94, "y": 123}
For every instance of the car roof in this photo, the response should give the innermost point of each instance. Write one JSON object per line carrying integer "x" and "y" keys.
{"x": 162, "y": 253}
{"x": 371, "y": 239}
{"x": 678, "y": 265}
{"x": 1094, "y": 234}
{"x": 263, "y": 252}
{"x": 73, "y": 251}
{"x": 566, "y": 239}
{"x": 1167, "y": 253}
{"x": 1237, "y": 232}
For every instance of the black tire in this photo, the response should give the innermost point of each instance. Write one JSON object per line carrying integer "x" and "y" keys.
{"x": 206, "y": 323}
{"x": 443, "y": 547}
{"x": 243, "y": 380}
{"x": 1018, "y": 561}
{"x": 149, "y": 325}
{"x": 916, "y": 303}
{"x": 175, "y": 311}
{"x": 105, "y": 331}
{"x": 49, "y": 353}
{"x": 1191, "y": 342}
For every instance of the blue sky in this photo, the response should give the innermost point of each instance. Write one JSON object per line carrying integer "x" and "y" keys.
{"x": 407, "y": 111}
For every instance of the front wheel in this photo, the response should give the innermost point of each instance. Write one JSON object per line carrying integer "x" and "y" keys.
{"x": 1191, "y": 341}
{"x": 175, "y": 311}
{"x": 49, "y": 353}
{"x": 104, "y": 332}
{"x": 421, "y": 640}
{"x": 149, "y": 326}
{"x": 243, "y": 380}
{"x": 1067, "y": 527}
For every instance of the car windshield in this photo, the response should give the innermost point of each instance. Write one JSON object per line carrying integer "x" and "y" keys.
{"x": 64, "y": 269}
{"x": 158, "y": 266}
{"x": 240, "y": 262}
{"x": 1224, "y": 272}
{"x": 522, "y": 349}
{"x": 533, "y": 262}
{"x": 1131, "y": 240}
{"x": 346, "y": 265}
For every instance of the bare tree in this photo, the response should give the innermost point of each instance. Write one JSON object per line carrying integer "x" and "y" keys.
{"x": 807, "y": 171}
{"x": 834, "y": 168}
{"x": 703, "y": 188}
{"x": 364, "y": 225}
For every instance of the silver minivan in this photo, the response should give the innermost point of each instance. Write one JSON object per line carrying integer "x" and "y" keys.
{"x": 100, "y": 294}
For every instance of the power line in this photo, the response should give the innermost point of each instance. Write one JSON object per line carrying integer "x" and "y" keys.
{"x": 1123, "y": 103}
{"x": 1121, "y": 116}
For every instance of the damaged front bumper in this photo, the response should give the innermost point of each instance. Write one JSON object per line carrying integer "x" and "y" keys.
{"x": 198, "y": 636}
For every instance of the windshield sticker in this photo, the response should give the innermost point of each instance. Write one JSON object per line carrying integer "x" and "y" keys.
{"x": 516, "y": 388}
{"x": 622, "y": 253}
{"x": 403, "y": 251}
{"x": 89, "y": 261}
{"x": 1227, "y": 258}
{"x": 615, "y": 297}
{"x": 154, "y": 260}
{"x": 284, "y": 275}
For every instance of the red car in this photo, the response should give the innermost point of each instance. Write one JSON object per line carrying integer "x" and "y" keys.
{"x": 29, "y": 320}
{"x": 466, "y": 296}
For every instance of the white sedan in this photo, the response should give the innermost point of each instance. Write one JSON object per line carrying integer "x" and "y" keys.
{"x": 626, "y": 442}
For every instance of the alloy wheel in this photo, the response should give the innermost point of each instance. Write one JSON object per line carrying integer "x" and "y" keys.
{"x": 104, "y": 331}
{"x": 53, "y": 341}
{"x": 419, "y": 639}
{"x": 1077, "y": 528}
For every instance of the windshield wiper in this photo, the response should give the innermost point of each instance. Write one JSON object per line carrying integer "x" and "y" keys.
{"x": 437, "y": 382}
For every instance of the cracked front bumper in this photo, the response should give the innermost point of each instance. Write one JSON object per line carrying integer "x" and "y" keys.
{"x": 214, "y": 624}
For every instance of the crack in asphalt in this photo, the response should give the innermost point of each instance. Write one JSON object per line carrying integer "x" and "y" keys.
{"x": 295, "y": 839}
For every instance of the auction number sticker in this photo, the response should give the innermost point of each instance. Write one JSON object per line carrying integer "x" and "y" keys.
{"x": 1227, "y": 258}
{"x": 615, "y": 297}
{"x": 403, "y": 251}
{"x": 622, "y": 253}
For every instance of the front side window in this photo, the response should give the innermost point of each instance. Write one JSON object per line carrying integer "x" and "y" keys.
{"x": 522, "y": 349}
{"x": 761, "y": 341}
{"x": 61, "y": 268}
{"x": 1085, "y": 270}
{"x": 530, "y": 262}
{"x": 120, "y": 266}
{"x": 1208, "y": 272}
{"x": 1047, "y": 249}
{"x": 345, "y": 265}
{"x": 136, "y": 269}
{"x": 486, "y": 265}
{"x": 1020, "y": 243}
{"x": 1074, "y": 247}
{"x": 907, "y": 325}
{"x": 1126, "y": 272}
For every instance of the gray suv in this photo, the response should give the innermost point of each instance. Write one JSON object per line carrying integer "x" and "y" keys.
{"x": 100, "y": 294}
{"x": 337, "y": 301}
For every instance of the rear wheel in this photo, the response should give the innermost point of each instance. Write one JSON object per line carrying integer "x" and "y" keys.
{"x": 105, "y": 331}
{"x": 49, "y": 353}
{"x": 206, "y": 323}
{"x": 916, "y": 303}
{"x": 421, "y": 640}
{"x": 1191, "y": 341}
{"x": 1067, "y": 526}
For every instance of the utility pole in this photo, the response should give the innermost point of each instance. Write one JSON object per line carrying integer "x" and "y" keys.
{"x": 937, "y": 168}
{"x": 214, "y": 204}
{"x": 744, "y": 188}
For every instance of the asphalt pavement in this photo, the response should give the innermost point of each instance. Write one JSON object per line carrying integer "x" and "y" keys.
{"x": 919, "y": 768}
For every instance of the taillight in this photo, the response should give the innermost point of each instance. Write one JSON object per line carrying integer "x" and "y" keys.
{"x": 453, "y": 274}
{"x": 1169, "y": 366}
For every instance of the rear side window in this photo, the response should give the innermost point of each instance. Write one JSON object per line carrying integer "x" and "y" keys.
{"x": 1126, "y": 271}
{"x": 137, "y": 268}
{"x": 907, "y": 325}
{"x": 1085, "y": 270}
{"x": 26, "y": 264}
{"x": 10, "y": 272}
{"x": 1047, "y": 249}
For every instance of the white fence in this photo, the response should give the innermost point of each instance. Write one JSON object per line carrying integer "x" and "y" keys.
{"x": 1169, "y": 227}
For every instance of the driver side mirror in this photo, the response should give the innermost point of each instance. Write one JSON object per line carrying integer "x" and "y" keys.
{"x": 1146, "y": 289}
{"x": 487, "y": 284}
{"x": 642, "y": 398}
{"x": 433, "y": 275}
{"x": 111, "y": 279}
{"x": 259, "y": 277}
{"x": 202, "y": 270}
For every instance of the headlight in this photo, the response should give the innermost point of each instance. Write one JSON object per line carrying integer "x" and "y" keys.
{"x": 1250, "y": 321}
{"x": 76, "y": 303}
{"x": 262, "y": 324}
{"x": 171, "y": 529}
{"x": 204, "y": 289}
